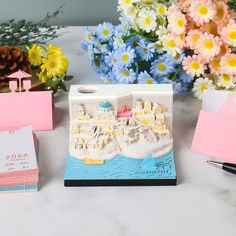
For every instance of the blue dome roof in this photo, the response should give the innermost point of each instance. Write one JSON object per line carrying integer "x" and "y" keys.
{"x": 139, "y": 100}
{"x": 105, "y": 104}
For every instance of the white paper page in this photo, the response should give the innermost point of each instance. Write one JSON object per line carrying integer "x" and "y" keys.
{"x": 17, "y": 151}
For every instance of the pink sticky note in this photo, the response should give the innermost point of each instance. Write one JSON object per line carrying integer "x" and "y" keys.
{"x": 27, "y": 108}
{"x": 215, "y": 133}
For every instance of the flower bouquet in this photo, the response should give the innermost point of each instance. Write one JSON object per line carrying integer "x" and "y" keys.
{"x": 21, "y": 49}
{"x": 48, "y": 66}
{"x": 190, "y": 44}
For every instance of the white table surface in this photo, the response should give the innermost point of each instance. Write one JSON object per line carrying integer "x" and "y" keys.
{"x": 203, "y": 202}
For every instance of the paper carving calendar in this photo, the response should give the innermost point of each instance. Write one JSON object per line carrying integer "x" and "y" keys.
{"x": 120, "y": 135}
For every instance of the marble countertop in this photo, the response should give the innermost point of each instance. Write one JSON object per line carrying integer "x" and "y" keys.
{"x": 202, "y": 204}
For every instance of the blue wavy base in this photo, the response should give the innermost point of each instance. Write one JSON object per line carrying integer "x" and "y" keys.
{"x": 121, "y": 168}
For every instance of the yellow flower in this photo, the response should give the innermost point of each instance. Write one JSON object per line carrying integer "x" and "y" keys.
{"x": 43, "y": 76}
{"x": 36, "y": 55}
{"x": 55, "y": 64}
{"x": 52, "y": 49}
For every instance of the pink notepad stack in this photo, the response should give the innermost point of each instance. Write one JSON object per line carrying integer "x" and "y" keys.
{"x": 18, "y": 163}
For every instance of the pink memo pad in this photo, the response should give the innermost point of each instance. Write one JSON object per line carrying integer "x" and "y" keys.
{"x": 215, "y": 134}
{"x": 27, "y": 108}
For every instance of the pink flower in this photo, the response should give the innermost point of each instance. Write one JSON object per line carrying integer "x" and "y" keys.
{"x": 228, "y": 34}
{"x": 180, "y": 41}
{"x": 191, "y": 24}
{"x": 208, "y": 46}
{"x": 215, "y": 67}
{"x": 202, "y": 11}
{"x": 222, "y": 12}
{"x": 184, "y": 5}
{"x": 194, "y": 66}
{"x": 172, "y": 10}
{"x": 211, "y": 28}
{"x": 232, "y": 14}
{"x": 224, "y": 49}
{"x": 228, "y": 64}
{"x": 192, "y": 38}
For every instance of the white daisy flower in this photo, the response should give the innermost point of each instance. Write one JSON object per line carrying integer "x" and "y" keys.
{"x": 158, "y": 46}
{"x": 131, "y": 14}
{"x": 161, "y": 9}
{"x": 200, "y": 85}
{"x": 124, "y": 4}
{"x": 147, "y": 20}
{"x": 177, "y": 23}
{"x": 162, "y": 31}
{"x": 169, "y": 45}
{"x": 226, "y": 81}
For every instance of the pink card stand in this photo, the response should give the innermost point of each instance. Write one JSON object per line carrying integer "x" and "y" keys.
{"x": 215, "y": 133}
{"x": 26, "y": 108}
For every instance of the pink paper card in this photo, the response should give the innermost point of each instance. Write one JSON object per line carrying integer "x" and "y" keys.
{"x": 27, "y": 108}
{"x": 215, "y": 133}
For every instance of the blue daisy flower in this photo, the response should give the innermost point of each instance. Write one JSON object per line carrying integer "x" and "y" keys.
{"x": 125, "y": 56}
{"x": 111, "y": 59}
{"x": 164, "y": 80}
{"x": 145, "y": 78}
{"x": 100, "y": 66}
{"x": 88, "y": 35}
{"x": 107, "y": 77}
{"x": 118, "y": 40}
{"x": 84, "y": 45}
{"x": 109, "y": 47}
{"x": 105, "y": 31}
{"x": 104, "y": 49}
{"x": 177, "y": 87}
{"x": 124, "y": 26}
{"x": 162, "y": 66}
{"x": 89, "y": 39}
{"x": 104, "y": 78}
{"x": 133, "y": 41}
{"x": 90, "y": 50}
{"x": 184, "y": 87}
{"x": 145, "y": 51}
{"x": 125, "y": 75}
{"x": 114, "y": 79}
{"x": 178, "y": 59}
{"x": 185, "y": 77}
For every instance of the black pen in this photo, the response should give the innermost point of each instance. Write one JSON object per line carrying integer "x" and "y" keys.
{"x": 230, "y": 167}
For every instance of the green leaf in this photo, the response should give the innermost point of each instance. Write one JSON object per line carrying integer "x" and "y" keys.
{"x": 18, "y": 33}
{"x": 68, "y": 77}
{"x": 62, "y": 86}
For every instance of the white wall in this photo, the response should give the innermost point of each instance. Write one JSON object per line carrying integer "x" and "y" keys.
{"x": 76, "y": 12}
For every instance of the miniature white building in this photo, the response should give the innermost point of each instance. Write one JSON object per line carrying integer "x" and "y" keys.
{"x": 105, "y": 115}
{"x": 82, "y": 116}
